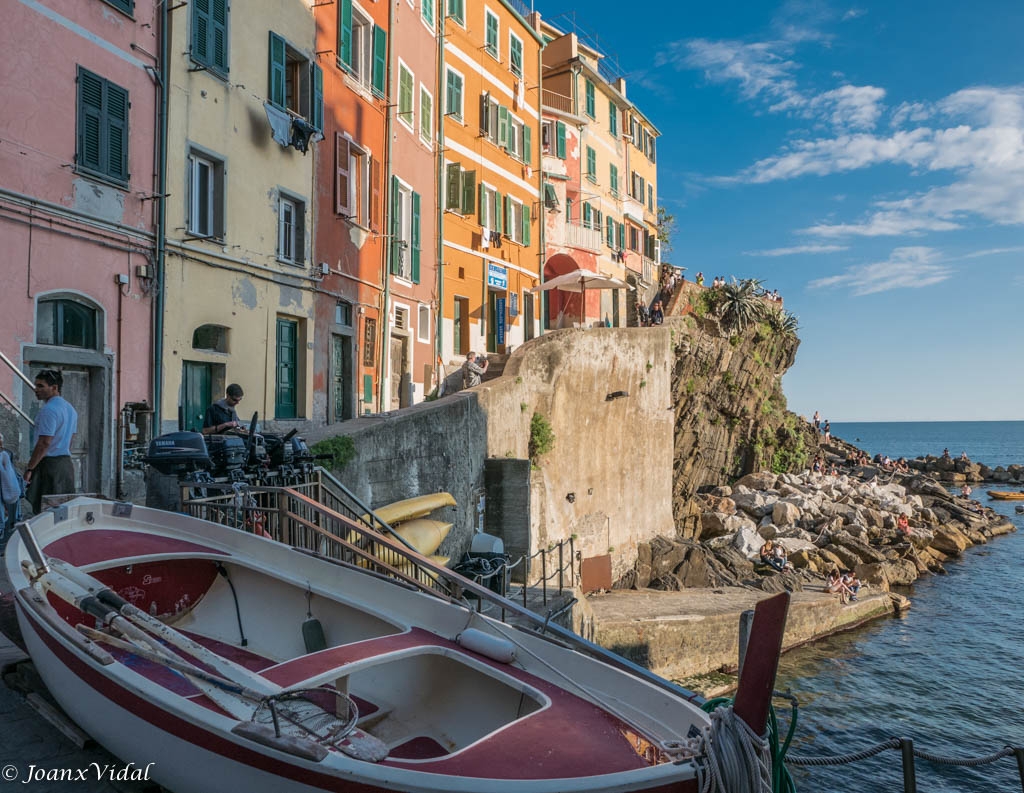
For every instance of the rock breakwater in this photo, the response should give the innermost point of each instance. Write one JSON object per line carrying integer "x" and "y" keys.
{"x": 822, "y": 522}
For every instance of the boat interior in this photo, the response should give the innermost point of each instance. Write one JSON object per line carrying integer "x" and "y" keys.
{"x": 429, "y": 699}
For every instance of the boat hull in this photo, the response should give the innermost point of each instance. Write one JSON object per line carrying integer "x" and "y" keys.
{"x": 1003, "y": 495}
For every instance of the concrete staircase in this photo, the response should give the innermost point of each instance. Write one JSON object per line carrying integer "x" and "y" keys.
{"x": 495, "y": 366}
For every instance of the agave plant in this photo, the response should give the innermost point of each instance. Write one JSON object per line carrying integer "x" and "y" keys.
{"x": 782, "y": 321}
{"x": 741, "y": 303}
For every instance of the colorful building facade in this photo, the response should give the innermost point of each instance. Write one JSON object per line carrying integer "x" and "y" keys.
{"x": 245, "y": 110}
{"x": 489, "y": 223}
{"x": 77, "y": 220}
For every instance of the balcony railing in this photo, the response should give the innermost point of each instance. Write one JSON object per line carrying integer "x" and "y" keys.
{"x": 650, "y": 268}
{"x": 579, "y": 236}
{"x": 557, "y": 101}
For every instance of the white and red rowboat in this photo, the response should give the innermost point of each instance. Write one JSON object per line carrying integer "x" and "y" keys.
{"x": 135, "y": 620}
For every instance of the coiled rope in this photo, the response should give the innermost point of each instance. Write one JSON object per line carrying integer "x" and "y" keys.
{"x": 733, "y": 758}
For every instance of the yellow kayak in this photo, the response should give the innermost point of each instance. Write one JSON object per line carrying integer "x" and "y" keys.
{"x": 410, "y": 508}
{"x": 1003, "y": 495}
{"x": 423, "y": 534}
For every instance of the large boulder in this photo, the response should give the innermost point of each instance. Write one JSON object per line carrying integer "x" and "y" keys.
{"x": 762, "y": 480}
{"x": 752, "y": 503}
{"x": 950, "y": 540}
{"x": 882, "y": 575}
{"x": 785, "y": 514}
{"x": 716, "y": 524}
{"x": 788, "y": 581}
{"x": 864, "y": 551}
{"x": 721, "y": 504}
{"x": 748, "y": 542}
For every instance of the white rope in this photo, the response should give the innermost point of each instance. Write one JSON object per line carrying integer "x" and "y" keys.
{"x": 736, "y": 759}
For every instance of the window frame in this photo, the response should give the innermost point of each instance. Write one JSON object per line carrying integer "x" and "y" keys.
{"x": 88, "y": 115}
{"x": 126, "y": 7}
{"x": 512, "y": 40}
{"x": 410, "y": 122}
{"x": 427, "y": 117}
{"x": 423, "y": 326}
{"x": 591, "y": 164}
{"x": 590, "y": 98}
{"x": 215, "y": 194}
{"x": 613, "y": 119}
{"x": 297, "y": 237}
{"x": 460, "y": 115}
{"x": 208, "y": 61}
{"x": 432, "y": 21}
{"x": 57, "y": 303}
{"x": 459, "y": 18}
{"x": 492, "y": 48}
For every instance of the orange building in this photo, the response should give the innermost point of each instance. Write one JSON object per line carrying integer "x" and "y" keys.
{"x": 489, "y": 221}
{"x": 351, "y": 237}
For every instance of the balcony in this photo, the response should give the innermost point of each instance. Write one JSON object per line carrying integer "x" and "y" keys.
{"x": 557, "y": 101}
{"x": 580, "y": 236}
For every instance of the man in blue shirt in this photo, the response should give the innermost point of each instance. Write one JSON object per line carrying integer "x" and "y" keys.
{"x": 49, "y": 470}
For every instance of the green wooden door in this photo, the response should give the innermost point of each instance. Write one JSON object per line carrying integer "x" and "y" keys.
{"x": 343, "y": 387}
{"x": 196, "y": 393}
{"x": 286, "y": 379}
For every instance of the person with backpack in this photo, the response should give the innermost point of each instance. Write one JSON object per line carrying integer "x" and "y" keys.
{"x": 11, "y": 491}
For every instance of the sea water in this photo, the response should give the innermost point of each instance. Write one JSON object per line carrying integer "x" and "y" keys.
{"x": 949, "y": 674}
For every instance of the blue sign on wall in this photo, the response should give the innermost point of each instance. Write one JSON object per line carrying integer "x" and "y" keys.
{"x": 497, "y": 276}
{"x": 513, "y": 304}
{"x": 499, "y": 309}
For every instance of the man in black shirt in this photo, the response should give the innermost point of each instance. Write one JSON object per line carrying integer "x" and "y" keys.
{"x": 221, "y": 415}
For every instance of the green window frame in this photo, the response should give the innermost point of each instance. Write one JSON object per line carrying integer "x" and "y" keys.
{"x": 609, "y": 232}
{"x": 515, "y": 54}
{"x": 406, "y": 82}
{"x": 415, "y": 241}
{"x": 560, "y": 140}
{"x": 591, "y": 164}
{"x": 613, "y": 119}
{"x": 590, "y": 98}
{"x": 613, "y": 178}
{"x": 650, "y": 197}
{"x": 587, "y": 214}
{"x": 427, "y": 12}
{"x": 380, "y": 60}
{"x": 209, "y": 41}
{"x": 426, "y": 116}
{"x": 491, "y": 32}
{"x": 127, "y": 6}
{"x": 453, "y": 94}
{"x": 102, "y": 127}
{"x": 457, "y": 11}
{"x": 622, "y": 235}
{"x": 345, "y": 34}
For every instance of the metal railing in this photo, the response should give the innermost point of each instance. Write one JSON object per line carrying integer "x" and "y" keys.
{"x": 580, "y": 236}
{"x": 564, "y": 565}
{"x": 353, "y": 536}
{"x": 556, "y": 101}
{"x": 24, "y": 379}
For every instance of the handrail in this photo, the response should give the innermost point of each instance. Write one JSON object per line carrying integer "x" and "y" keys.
{"x": 453, "y": 591}
{"x": 21, "y": 412}
{"x": 27, "y": 382}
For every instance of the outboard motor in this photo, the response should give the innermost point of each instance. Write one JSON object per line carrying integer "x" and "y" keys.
{"x": 178, "y": 453}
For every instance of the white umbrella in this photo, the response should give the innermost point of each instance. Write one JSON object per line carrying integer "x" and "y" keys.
{"x": 580, "y": 281}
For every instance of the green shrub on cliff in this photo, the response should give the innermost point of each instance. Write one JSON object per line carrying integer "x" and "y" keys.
{"x": 542, "y": 437}
{"x": 341, "y": 449}
{"x": 741, "y": 304}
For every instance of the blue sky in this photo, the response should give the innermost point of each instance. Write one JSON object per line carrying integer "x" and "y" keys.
{"x": 867, "y": 160}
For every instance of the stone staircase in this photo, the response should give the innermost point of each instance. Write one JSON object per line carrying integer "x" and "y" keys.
{"x": 495, "y": 366}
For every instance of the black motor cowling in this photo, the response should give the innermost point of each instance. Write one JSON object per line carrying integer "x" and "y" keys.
{"x": 178, "y": 453}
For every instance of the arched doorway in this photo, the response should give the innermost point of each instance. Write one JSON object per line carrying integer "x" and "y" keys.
{"x": 563, "y": 309}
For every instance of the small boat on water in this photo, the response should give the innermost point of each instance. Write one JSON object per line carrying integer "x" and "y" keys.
{"x": 235, "y": 662}
{"x": 1006, "y": 495}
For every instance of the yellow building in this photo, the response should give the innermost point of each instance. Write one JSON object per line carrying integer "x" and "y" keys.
{"x": 640, "y": 202}
{"x": 245, "y": 101}
{"x": 489, "y": 89}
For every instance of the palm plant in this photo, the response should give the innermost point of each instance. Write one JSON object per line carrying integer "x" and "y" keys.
{"x": 741, "y": 303}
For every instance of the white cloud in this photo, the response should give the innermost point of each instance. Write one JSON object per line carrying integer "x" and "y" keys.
{"x": 994, "y": 252}
{"x": 906, "y": 268}
{"x": 849, "y": 106}
{"x": 853, "y": 13}
{"x": 798, "y": 249}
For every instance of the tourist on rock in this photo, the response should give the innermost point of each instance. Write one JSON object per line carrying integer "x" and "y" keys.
{"x": 964, "y": 457}
{"x": 472, "y": 372}
{"x": 834, "y": 585}
{"x": 816, "y": 421}
{"x": 945, "y": 454}
{"x": 966, "y": 491}
{"x": 700, "y": 279}
{"x": 903, "y": 524}
{"x": 50, "y": 470}
{"x": 643, "y": 316}
{"x": 851, "y": 582}
{"x": 827, "y": 430}
{"x": 657, "y": 314}
{"x": 769, "y": 557}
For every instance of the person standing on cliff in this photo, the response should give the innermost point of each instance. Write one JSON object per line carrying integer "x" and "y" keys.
{"x": 50, "y": 470}
{"x": 816, "y": 421}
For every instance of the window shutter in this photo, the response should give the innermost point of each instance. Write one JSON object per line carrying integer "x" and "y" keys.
{"x": 299, "y": 254}
{"x": 468, "y": 192}
{"x": 396, "y": 228}
{"x": 375, "y": 203}
{"x": 560, "y": 140}
{"x": 526, "y": 224}
{"x": 341, "y": 174}
{"x": 586, "y": 215}
{"x": 415, "y": 238}
{"x": 90, "y": 120}
{"x": 345, "y": 32}
{"x": 485, "y": 113}
{"x": 568, "y": 210}
{"x": 499, "y": 214}
{"x": 527, "y": 146}
{"x": 277, "y": 68}
{"x": 622, "y": 235}
{"x": 427, "y": 9}
{"x": 591, "y": 109}
{"x": 117, "y": 132}
{"x": 453, "y": 193}
{"x": 405, "y": 110}
{"x": 510, "y": 216}
{"x": 503, "y": 126}
{"x": 613, "y": 177}
{"x": 317, "y": 99}
{"x": 380, "y": 55}
{"x": 219, "y": 34}
{"x": 482, "y": 208}
{"x": 201, "y": 30}
{"x": 609, "y": 232}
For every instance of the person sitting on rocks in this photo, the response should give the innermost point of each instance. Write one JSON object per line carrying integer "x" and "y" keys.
{"x": 769, "y": 557}
{"x": 851, "y": 582}
{"x": 834, "y": 585}
{"x": 945, "y": 454}
{"x": 964, "y": 457}
{"x": 779, "y": 553}
{"x": 657, "y": 314}
{"x": 903, "y": 524}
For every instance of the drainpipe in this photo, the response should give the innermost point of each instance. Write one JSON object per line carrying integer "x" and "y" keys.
{"x": 542, "y": 227}
{"x": 389, "y": 244}
{"x": 161, "y": 227}
{"x": 441, "y": 27}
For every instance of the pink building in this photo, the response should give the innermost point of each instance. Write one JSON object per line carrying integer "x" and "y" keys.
{"x": 78, "y": 175}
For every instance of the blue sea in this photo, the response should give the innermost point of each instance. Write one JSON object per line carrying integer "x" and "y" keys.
{"x": 948, "y": 674}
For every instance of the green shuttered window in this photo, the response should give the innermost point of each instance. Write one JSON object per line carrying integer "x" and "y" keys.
{"x": 560, "y": 140}
{"x": 591, "y": 102}
{"x": 457, "y": 10}
{"x": 210, "y": 34}
{"x": 345, "y": 32}
{"x": 491, "y": 34}
{"x": 102, "y": 127}
{"x": 515, "y": 55}
{"x": 591, "y": 164}
{"x": 380, "y": 59}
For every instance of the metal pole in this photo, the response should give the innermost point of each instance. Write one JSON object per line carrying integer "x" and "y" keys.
{"x": 746, "y": 623}
{"x": 17, "y": 371}
{"x": 561, "y": 567}
{"x": 572, "y": 562}
{"x": 544, "y": 575}
{"x": 10, "y": 402}
{"x": 909, "y": 772}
